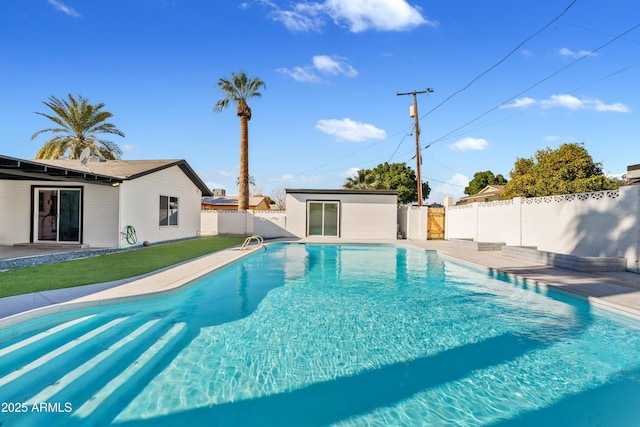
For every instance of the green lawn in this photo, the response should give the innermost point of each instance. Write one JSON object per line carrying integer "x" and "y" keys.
{"x": 106, "y": 268}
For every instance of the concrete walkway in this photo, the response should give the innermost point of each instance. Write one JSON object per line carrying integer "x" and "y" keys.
{"x": 618, "y": 291}
{"x": 615, "y": 290}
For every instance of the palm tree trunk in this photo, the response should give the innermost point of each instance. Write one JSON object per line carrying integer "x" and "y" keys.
{"x": 243, "y": 198}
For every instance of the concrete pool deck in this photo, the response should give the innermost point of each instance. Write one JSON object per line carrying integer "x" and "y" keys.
{"x": 619, "y": 291}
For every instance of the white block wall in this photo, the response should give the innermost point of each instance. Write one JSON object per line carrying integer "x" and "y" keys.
{"x": 413, "y": 222}
{"x": 268, "y": 224}
{"x": 605, "y": 223}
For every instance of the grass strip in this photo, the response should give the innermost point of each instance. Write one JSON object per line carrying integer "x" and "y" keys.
{"x": 110, "y": 267}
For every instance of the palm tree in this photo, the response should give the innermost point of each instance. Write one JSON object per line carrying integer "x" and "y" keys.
{"x": 363, "y": 180}
{"x": 79, "y": 123}
{"x": 238, "y": 89}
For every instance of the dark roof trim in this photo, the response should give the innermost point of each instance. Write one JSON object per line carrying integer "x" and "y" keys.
{"x": 26, "y": 169}
{"x": 633, "y": 167}
{"x": 324, "y": 191}
{"x": 13, "y": 168}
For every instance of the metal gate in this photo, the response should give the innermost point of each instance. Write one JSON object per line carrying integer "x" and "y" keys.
{"x": 435, "y": 223}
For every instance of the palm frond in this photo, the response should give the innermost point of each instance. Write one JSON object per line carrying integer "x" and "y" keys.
{"x": 80, "y": 122}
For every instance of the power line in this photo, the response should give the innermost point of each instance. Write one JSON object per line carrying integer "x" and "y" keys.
{"x": 514, "y": 50}
{"x": 535, "y": 84}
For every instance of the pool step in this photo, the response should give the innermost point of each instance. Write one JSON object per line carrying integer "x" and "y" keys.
{"x": 105, "y": 403}
{"x": 88, "y": 384}
{"x": 42, "y": 360}
{"x": 85, "y": 369}
{"x": 24, "y": 349}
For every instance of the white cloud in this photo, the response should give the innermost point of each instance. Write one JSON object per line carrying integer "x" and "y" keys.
{"x": 357, "y": 15}
{"x": 570, "y": 102}
{"x": 301, "y": 74}
{"x": 521, "y": 103}
{"x": 467, "y": 144}
{"x": 379, "y": 15}
{"x": 566, "y": 101}
{"x": 334, "y": 65}
{"x": 571, "y": 54}
{"x": 617, "y": 107}
{"x": 321, "y": 65}
{"x": 351, "y": 172}
{"x": 349, "y": 130}
{"x": 67, "y": 10}
{"x": 526, "y": 53}
{"x": 453, "y": 187}
{"x": 573, "y": 103}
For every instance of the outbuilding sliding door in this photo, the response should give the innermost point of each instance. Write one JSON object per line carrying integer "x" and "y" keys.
{"x": 323, "y": 218}
{"x": 57, "y": 216}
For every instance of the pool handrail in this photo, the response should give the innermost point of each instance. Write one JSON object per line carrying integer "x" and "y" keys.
{"x": 247, "y": 241}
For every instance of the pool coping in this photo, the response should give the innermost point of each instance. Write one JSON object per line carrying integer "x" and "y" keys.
{"x": 597, "y": 289}
{"x": 157, "y": 283}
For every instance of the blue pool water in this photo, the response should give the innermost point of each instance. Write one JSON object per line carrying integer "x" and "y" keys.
{"x": 314, "y": 335}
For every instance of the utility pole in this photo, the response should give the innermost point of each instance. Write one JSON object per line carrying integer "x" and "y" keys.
{"x": 414, "y": 113}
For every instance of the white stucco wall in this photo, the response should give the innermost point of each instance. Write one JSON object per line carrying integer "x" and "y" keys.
{"x": 15, "y": 215}
{"x": 362, "y": 215}
{"x": 140, "y": 206}
{"x": 100, "y": 212}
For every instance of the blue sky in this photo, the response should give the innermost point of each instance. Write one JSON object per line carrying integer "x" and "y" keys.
{"x": 509, "y": 78}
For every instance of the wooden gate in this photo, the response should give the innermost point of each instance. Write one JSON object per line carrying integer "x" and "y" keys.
{"x": 435, "y": 223}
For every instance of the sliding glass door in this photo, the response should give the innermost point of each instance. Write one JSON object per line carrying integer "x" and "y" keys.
{"x": 323, "y": 219}
{"x": 58, "y": 215}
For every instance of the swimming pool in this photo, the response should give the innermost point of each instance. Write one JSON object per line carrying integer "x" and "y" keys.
{"x": 311, "y": 335}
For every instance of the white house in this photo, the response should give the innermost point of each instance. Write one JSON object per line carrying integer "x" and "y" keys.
{"x": 96, "y": 203}
{"x": 349, "y": 214}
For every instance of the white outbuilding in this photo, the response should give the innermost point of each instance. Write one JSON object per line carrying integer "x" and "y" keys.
{"x": 348, "y": 214}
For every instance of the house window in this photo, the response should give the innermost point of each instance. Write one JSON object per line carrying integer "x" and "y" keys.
{"x": 322, "y": 218}
{"x": 168, "y": 210}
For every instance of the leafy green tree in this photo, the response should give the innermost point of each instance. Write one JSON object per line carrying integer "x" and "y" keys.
{"x": 79, "y": 124}
{"x": 237, "y": 90}
{"x": 481, "y": 180}
{"x": 566, "y": 170}
{"x": 390, "y": 176}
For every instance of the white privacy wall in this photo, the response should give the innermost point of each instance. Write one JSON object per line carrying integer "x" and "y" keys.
{"x": 604, "y": 223}
{"x": 413, "y": 222}
{"x": 268, "y": 224}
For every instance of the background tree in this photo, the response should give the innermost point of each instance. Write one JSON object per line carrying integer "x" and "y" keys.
{"x": 237, "y": 90}
{"x": 279, "y": 196}
{"x": 481, "y": 180}
{"x": 79, "y": 124}
{"x": 364, "y": 179}
{"x": 391, "y": 176}
{"x": 566, "y": 170}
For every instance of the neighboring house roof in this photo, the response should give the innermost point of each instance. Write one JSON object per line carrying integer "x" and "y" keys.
{"x": 487, "y": 192}
{"x": 107, "y": 172}
{"x": 633, "y": 174}
{"x": 232, "y": 201}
